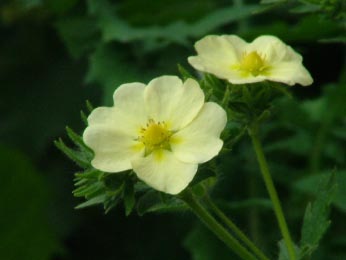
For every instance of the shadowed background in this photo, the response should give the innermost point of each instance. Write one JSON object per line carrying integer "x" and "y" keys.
{"x": 55, "y": 54}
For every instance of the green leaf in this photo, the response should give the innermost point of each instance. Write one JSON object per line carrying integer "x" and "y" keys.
{"x": 78, "y": 141}
{"x": 184, "y": 73}
{"x": 203, "y": 245}
{"x": 80, "y": 34}
{"x": 27, "y": 4}
{"x": 110, "y": 67}
{"x": 114, "y": 28}
{"x": 26, "y": 230}
{"x": 283, "y": 252}
{"x": 316, "y": 216}
{"x": 129, "y": 197}
{"x": 94, "y": 201}
{"x": 309, "y": 184}
{"x": 78, "y": 157}
{"x": 152, "y": 201}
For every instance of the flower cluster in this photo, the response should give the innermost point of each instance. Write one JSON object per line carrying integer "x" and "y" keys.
{"x": 163, "y": 130}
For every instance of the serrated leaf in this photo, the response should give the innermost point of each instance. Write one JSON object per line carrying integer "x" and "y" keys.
{"x": 94, "y": 201}
{"x": 84, "y": 117}
{"x": 114, "y": 181}
{"x": 88, "y": 190}
{"x": 309, "y": 184}
{"x": 78, "y": 141}
{"x": 76, "y": 156}
{"x": 152, "y": 202}
{"x": 129, "y": 197}
{"x": 114, "y": 28}
{"x": 316, "y": 220}
{"x": 184, "y": 73}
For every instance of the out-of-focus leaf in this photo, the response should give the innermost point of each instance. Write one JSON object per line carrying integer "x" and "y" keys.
{"x": 316, "y": 216}
{"x": 114, "y": 28}
{"x": 299, "y": 143}
{"x": 339, "y": 39}
{"x": 309, "y": 184}
{"x": 297, "y": 32}
{"x": 61, "y": 6}
{"x": 30, "y": 3}
{"x": 79, "y": 34}
{"x": 203, "y": 245}
{"x": 111, "y": 68}
{"x": 283, "y": 252}
{"x": 25, "y": 230}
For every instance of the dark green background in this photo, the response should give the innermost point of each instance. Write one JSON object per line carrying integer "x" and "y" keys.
{"x": 55, "y": 54}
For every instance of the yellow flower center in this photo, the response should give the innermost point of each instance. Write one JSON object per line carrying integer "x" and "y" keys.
{"x": 252, "y": 63}
{"x": 155, "y": 136}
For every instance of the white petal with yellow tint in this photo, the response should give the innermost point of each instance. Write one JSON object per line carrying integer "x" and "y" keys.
{"x": 112, "y": 117}
{"x": 113, "y": 149}
{"x": 164, "y": 172}
{"x": 169, "y": 100}
{"x": 129, "y": 99}
{"x": 216, "y": 54}
{"x": 223, "y": 56}
{"x": 199, "y": 141}
{"x": 290, "y": 73}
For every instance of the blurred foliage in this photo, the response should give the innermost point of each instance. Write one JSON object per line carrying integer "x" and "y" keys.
{"x": 25, "y": 231}
{"x": 55, "y": 54}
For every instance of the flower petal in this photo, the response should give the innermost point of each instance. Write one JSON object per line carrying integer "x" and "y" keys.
{"x": 290, "y": 73}
{"x": 113, "y": 150}
{"x": 129, "y": 99}
{"x": 168, "y": 99}
{"x": 162, "y": 171}
{"x": 113, "y": 118}
{"x": 273, "y": 50}
{"x": 199, "y": 141}
{"x": 216, "y": 54}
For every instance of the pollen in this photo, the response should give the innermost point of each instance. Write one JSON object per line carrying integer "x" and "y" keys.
{"x": 155, "y": 135}
{"x": 252, "y": 63}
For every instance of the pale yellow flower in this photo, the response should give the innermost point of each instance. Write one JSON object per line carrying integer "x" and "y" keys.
{"x": 266, "y": 58}
{"x": 162, "y": 131}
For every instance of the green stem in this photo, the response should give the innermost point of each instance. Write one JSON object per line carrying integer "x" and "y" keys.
{"x": 235, "y": 229}
{"x": 214, "y": 226}
{"x": 272, "y": 192}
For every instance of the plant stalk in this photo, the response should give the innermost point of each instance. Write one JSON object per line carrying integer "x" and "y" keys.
{"x": 272, "y": 192}
{"x": 233, "y": 227}
{"x": 214, "y": 226}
